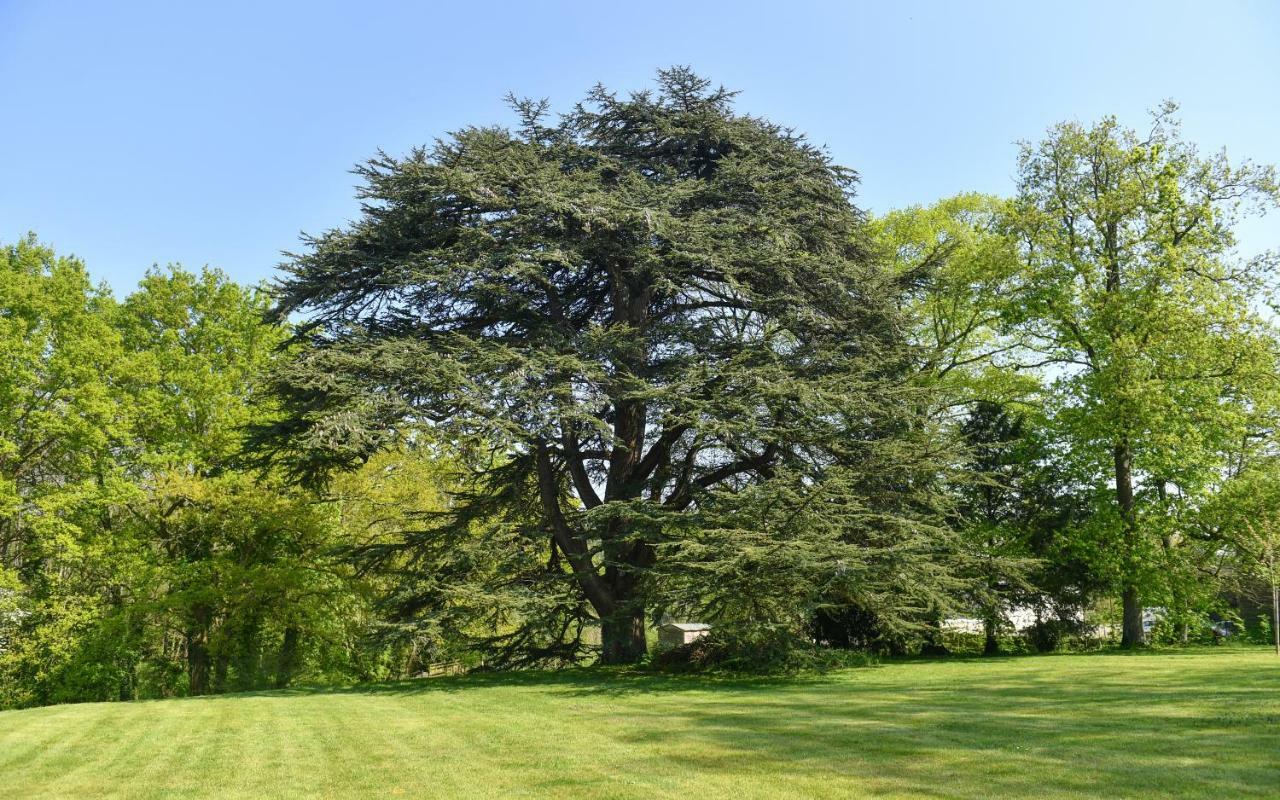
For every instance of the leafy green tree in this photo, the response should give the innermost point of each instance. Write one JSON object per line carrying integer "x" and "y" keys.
{"x": 958, "y": 265}
{"x": 1131, "y": 293}
{"x": 241, "y": 568}
{"x": 198, "y": 344}
{"x": 138, "y": 559}
{"x": 57, "y": 412}
{"x": 60, "y": 426}
{"x": 1246, "y": 514}
{"x": 993, "y": 514}
{"x": 654, "y": 309}
{"x": 246, "y": 575}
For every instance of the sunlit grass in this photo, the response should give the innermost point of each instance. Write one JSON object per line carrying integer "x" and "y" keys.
{"x": 1195, "y": 724}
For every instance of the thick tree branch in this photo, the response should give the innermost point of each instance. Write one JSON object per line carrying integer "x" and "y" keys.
{"x": 573, "y": 459}
{"x": 759, "y": 462}
{"x": 566, "y": 539}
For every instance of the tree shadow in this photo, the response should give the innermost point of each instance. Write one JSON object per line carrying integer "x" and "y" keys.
{"x": 1202, "y": 733}
{"x": 581, "y": 680}
{"x": 1117, "y": 724}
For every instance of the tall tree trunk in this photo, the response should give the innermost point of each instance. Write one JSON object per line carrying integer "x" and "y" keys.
{"x": 1275, "y": 613}
{"x": 622, "y": 638}
{"x": 197, "y": 637}
{"x": 246, "y": 656}
{"x": 622, "y": 632}
{"x": 991, "y": 645}
{"x": 934, "y": 645}
{"x": 288, "y": 661}
{"x": 991, "y": 617}
{"x": 197, "y": 665}
{"x": 220, "y": 664}
{"x": 1131, "y": 627}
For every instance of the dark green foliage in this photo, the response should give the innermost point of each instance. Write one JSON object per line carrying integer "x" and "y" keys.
{"x": 647, "y": 361}
{"x": 848, "y": 626}
{"x": 1004, "y": 513}
{"x": 1049, "y": 634}
{"x": 1261, "y": 631}
{"x": 754, "y": 648}
{"x": 486, "y": 587}
{"x": 657, "y": 310}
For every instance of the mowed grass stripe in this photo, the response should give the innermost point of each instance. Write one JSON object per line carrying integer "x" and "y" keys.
{"x": 1196, "y": 724}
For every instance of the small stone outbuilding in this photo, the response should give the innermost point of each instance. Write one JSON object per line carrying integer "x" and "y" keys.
{"x": 675, "y": 634}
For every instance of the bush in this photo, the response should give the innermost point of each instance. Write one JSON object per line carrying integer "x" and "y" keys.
{"x": 159, "y": 678}
{"x": 853, "y": 627}
{"x": 1260, "y": 631}
{"x": 1055, "y": 633}
{"x": 761, "y": 649}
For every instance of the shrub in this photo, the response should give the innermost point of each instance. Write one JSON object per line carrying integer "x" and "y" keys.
{"x": 1260, "y": 631}
{"x": 757, "y": 649}
{"x": 1054, "y": 633}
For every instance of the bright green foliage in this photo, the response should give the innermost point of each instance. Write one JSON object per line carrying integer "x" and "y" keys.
{"x": 58, "y": 425}
{"x": 242, "y": 586}
{"x": 480, "y": 587}
{"x": 239, "y": 577}
{"x": 198, "y": 344}
{"x": 1245, "y": 520}
{"x": 57, "y": 411}
{"x": 655, "y": 311}
{"x": 1180, "y": 725}
{"x": 959, "y": 265}
{"x": 1130, "y": 290}
{"x": 137, "y": 561}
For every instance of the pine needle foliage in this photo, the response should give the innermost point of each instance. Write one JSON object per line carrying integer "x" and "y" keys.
{"x": 663, "y": 320}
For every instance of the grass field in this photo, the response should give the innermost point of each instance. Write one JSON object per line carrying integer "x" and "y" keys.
{"x": 1194, "y": 724}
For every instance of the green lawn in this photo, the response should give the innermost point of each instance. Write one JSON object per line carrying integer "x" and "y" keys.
{"x": 1195, "y": 724}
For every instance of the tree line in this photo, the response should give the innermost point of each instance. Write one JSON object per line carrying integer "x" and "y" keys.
{"x": 645, "y": 360}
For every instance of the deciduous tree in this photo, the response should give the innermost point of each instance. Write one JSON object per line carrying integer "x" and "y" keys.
{"x": 1132, "y": 294}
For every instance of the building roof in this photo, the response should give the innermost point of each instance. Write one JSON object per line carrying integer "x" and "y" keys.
{"x": 688, "y": 626}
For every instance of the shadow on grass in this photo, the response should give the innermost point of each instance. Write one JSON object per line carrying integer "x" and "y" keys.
{"x": 1125, "y": 725}
{"x": 1110, "y": 724}
{"x": 589, "y": 680}
{"x": 629, "y": 681}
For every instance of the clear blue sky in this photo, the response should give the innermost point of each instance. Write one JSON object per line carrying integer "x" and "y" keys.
{"x": 137, "y": 133}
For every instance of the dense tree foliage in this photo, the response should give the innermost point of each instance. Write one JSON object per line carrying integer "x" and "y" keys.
{"x": 648, "y": 361}
{"x": 138, "y": 561}
{"x": 57, "y": 349}
{"x": 1131, "y": 290}
{"x": 664, "y": 319}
